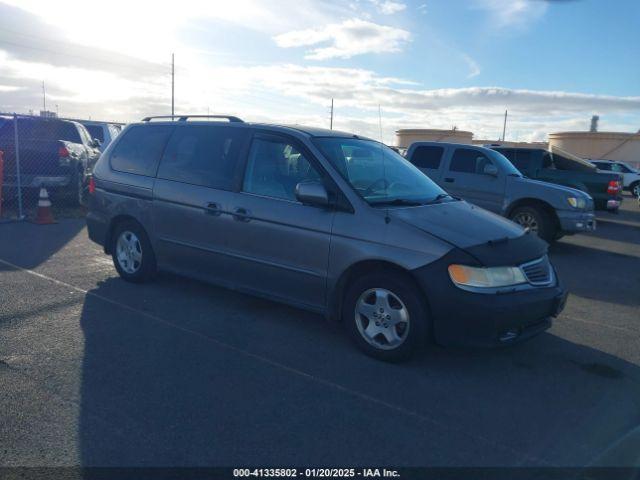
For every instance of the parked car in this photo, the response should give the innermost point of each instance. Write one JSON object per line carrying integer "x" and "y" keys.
{"x": 486, "y": 178}
{"x": 563, "y": 168}
{"x": 324, "y": 220}
{"x": 630, "y": 175}
{"x": 102, "y": 131}
{"x": 57, "y": 154}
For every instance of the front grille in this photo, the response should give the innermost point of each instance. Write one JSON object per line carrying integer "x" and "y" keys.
{"x": 538, "y": 272}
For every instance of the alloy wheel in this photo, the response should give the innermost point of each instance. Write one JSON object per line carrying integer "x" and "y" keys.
{"x": 129, "y": 252}
{"x": 382, "y": 318}
{"x": 527, "y": 221}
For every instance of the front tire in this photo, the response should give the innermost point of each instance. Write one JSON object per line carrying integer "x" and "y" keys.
{"x": 386, "y": 316}
{"x": 536, "y": 220}
{"x": 635, "y": 189}
{"x": 132, "y": 253}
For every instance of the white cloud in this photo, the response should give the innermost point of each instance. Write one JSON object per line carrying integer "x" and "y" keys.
{"x": 388, "y": 7}
{"x": 474, "y": 68}
{"x": 512, "y": 13}
{"x": 422, "y": 8}
{"x": 345, "y": 40}
{"x": 9, "y": 88}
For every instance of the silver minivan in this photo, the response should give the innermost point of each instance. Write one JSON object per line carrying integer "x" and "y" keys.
{"x": 323, "y": 220}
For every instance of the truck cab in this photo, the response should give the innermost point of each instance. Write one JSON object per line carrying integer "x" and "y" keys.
{"x": 486, "y": 178}
{"x": 563, "y": 168}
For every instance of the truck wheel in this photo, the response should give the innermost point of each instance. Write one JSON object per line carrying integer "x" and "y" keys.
{"x": 536, "y": 220}
{"x": 132, "y": 253}
{"x": 385, "y": 316}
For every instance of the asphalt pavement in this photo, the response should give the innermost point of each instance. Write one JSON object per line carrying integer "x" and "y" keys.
{"x": 98, "y": 372}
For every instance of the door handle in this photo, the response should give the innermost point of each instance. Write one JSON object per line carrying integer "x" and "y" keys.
{"x": 241, "y": 214}
{"x": 213, "y": 208}
{"x": 449, "y": 180}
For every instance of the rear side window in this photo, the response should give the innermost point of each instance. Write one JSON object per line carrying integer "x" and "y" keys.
{"x": 96, "y": 131}
{"x": 40, "y": 129}
{"x": 603, "y": 166}
{"x": 466, "y": 160}
{"x": 522, "y": 160}
{"x": 203, "y": 155}
{"x": 427, "y": 157}
{"x": 140, "y": 149}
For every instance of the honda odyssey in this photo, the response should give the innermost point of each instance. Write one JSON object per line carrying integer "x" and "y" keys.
{"x": 323, "y": 220}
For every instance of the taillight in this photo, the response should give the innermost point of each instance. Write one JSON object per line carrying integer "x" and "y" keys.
{"x": 92, "y": 185}
{"x": 63, "y": 152}
{"x": 614, "y": 187}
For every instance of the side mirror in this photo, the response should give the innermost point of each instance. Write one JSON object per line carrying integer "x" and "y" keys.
{"x": 95, "y": 143}
{"x": 312, "y": 193}
{"x": 490, "y": 169}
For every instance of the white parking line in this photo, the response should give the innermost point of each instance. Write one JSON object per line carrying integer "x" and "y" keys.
{"x": 401, "y": 410}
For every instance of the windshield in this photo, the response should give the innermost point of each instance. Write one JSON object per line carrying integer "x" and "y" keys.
{"x": 377, "y": 173}
{"x": 504, "y": 164}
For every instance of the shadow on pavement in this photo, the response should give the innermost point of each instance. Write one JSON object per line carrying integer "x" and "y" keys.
{"x": 175, "y": 380}
{"x": 28, "y": 245}
{"x": 597, "y": 274}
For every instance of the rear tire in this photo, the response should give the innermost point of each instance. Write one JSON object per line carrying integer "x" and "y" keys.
{"x": 635, "y": 189}
{"x": 132, "y": 253}
{"x": 536, "y": 220}
{"x": 386, "y": 316}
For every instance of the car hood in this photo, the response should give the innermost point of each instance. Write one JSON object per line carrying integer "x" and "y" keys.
{"x": 574, "y": 192}
{"x": 458, "y": 223}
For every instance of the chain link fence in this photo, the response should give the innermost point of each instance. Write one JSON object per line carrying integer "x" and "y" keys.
{"x": 43, "y": 153}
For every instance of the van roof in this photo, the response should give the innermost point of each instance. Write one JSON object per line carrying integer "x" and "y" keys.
{"x": 235, "y": 121}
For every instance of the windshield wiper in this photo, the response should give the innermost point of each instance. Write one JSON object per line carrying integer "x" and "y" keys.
{"x": 440, "y": 196}
{"x": 397, "y": 202}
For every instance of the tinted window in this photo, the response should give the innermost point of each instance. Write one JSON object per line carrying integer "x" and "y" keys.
{"x": 603, "y": 165}
{"x": 427, "y": 157}
{"x": 202, "y": 155}
{"x": 522, "y": 160}
{"x": 35, "y": 129}
{"x": 96, "y": 131}
{"x": 468, "y": 161}
{"x": 140, "y": 149}
{"x": 275, "y": 167}
{"x": 507, "y": 152}
{"x": 619, "y": 168}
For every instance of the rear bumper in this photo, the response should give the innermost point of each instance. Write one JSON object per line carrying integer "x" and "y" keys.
{"x": 464, "y": 318}
{"x": 608, "y": 203}
{"x": 571, "y": 221}
{"x": 97, "y": 229}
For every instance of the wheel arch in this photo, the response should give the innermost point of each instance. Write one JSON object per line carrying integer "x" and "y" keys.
{"x": 536, "y": 203}
{"x": 113, "y": 224}
{"x": 363, "y": 267}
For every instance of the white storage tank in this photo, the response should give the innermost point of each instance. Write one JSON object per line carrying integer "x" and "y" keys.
{"x": 594, "y": 145}
{"x": 405, "y": 137}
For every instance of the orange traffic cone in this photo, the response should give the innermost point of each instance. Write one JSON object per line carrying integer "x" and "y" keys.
{"x": 44, "y": 215}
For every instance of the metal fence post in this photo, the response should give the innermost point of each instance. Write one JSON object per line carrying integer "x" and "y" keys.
{"x": 17, "y": 154}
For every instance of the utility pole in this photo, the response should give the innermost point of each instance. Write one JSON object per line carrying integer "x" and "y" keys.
{"x": 173, "y": 76}
{"x": 504, "y": 127}
{"x": 44, "y": 98}
{"x": 331, "y": 121}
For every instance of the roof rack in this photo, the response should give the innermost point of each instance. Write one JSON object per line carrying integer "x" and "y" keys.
{"x": 184, "y": 118}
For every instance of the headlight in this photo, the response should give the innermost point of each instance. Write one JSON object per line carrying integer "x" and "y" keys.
{"x": 577, "y": 202}
{"x": 463, "y": 275}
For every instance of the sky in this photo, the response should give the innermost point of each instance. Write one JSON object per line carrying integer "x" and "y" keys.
{"x": 387, "y": 64}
